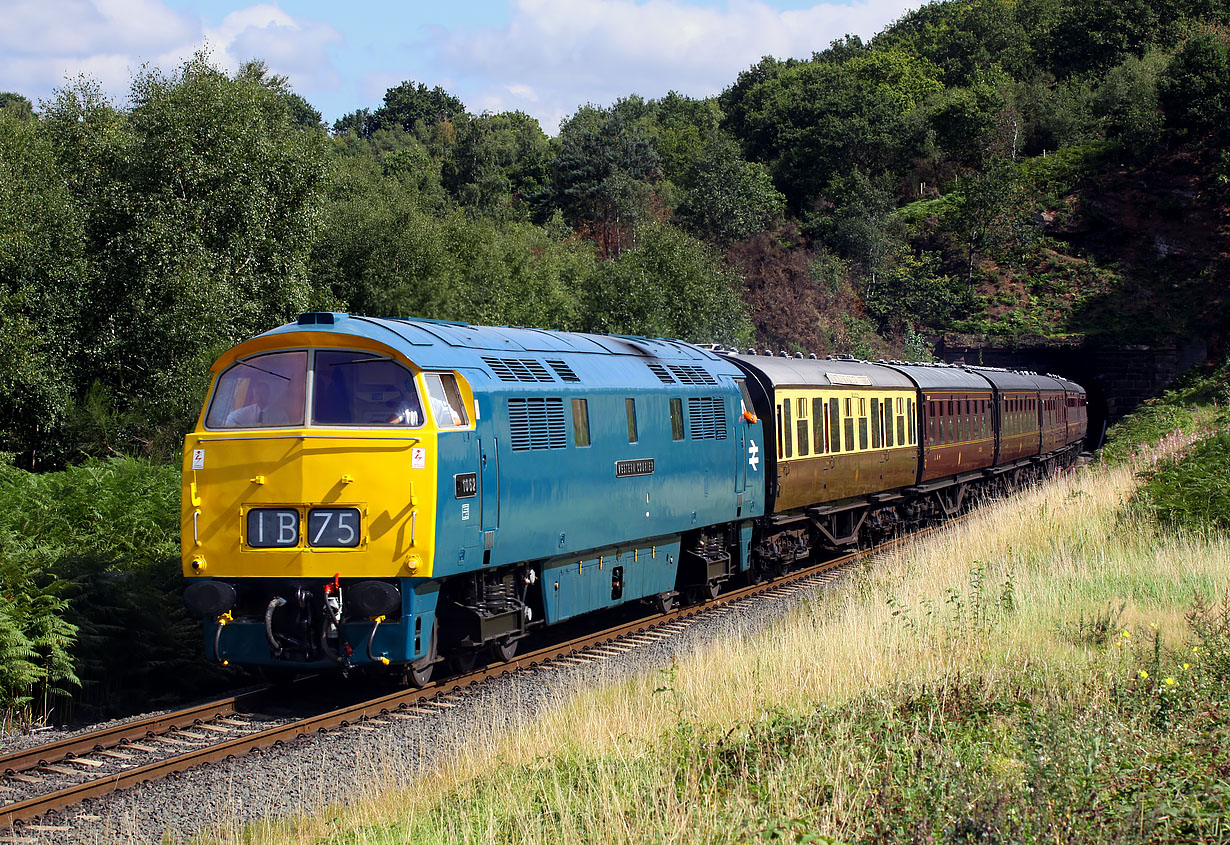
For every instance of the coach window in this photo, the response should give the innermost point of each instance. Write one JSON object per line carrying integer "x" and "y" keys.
{"x": 848, "y": 425}
{"x": 862, "y": 425}
{"x": 630, "y": 410}
{"x": 787, "y": 429}
{"x": 888, "y": 421}
{"x": 900, "y": 424}
{"x": 818, "y": 421}
{"x": 875, "y": 424}
{"x": 801, "y": 415}
{"x": 909, "y": 419}
{"x": 676, "y": 419}
{"x": 580, "y": 421}
{"x": 834, "y": 426}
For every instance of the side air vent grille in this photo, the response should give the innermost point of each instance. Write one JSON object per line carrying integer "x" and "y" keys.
{"x": 660, "y": 371}
{"x": 518, "y": 369}
{"x": 708, "y": 417}
{"x": 537, "y": 422}
{"x": 563, "y": 371}
{"x": 689, "y": 374}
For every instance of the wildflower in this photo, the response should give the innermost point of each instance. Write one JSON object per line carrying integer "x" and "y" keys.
{"x": 1170, "y": 682}
{"x": 1127, "y": 633}
{"x": 1187, "y": 665}
{"x": 1144, "y": 675}
{"x": 1153, "y": 625}
{"x": 1195, "y": 649}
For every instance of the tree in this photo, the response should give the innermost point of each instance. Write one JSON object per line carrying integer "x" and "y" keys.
{"x": 1194, "y": 90}
{"x": 414, "y": 107}
{"x": 15, "y": 105}
{"x": 499, "y": 164}
{"x": 813, "y": 121}
{"x": 201, "y": 204}
{"x": 44, "y": 278}
{"x": 602, "y": 176}
{"x": 669, "y": 285}
{"x": 726, "y": 198}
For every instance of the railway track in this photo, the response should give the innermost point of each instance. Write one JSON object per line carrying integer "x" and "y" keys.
{"x": 60, "y": 775}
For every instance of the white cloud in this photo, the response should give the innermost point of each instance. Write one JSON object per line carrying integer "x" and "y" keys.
{"x": 569, "y": 52}
{"x": 43, "y": 43}
{"x": 297, "y": 49}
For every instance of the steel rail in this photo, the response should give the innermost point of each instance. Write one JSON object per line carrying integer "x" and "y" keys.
{"x": 32, "y": 808}
{"x": 116, "y": 735}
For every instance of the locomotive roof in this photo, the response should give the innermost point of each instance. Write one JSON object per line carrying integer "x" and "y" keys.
{"x": 435, "y": 344}
{"x": 419, "y": 333}
{"x": 783, "y": 372}
{"x": 942, "y": 377}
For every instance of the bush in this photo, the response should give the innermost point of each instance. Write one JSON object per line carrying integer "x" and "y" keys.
{"x": 90, "y": 562}
{"x": 1192, "y": 492}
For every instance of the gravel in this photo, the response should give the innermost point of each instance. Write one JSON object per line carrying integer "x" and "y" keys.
{"x": 362, "y": 761}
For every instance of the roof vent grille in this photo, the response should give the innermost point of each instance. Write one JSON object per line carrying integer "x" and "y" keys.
{"x": 563, "y": 371}
{"x": 689, "y": 374}
{"x": 660, "y": 371}
{"x": 518, "y": 369}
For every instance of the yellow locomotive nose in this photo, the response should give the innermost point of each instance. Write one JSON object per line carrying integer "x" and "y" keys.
{"x": 308, "y": 462}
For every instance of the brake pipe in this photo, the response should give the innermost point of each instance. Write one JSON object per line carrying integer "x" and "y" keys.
{"x": 274, "y": 604}
{"x": 375, "y": 626}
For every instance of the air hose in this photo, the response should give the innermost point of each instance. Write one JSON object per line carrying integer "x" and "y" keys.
{"x": 376, "y": 620}
{"x": 223, "y": 620}
{"x": 274, "y": 604}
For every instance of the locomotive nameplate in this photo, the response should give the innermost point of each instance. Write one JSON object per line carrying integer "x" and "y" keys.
{"x": 466, "y": 485}
{"x": 627, "y": 469}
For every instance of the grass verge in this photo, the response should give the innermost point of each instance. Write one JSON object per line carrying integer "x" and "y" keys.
{"x": 1053, "y": 668}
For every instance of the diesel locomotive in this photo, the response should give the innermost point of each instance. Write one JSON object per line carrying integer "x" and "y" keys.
{"x": 392, "y": 494}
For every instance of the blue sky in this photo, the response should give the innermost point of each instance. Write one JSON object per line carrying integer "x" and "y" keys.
{"x": 544, "y": 57}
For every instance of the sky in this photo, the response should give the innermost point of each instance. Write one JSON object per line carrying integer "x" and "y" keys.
{"x": 544, "y": 57}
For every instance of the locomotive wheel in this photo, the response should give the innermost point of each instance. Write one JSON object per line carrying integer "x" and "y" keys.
{"x": 711, "y": 590}
{"x": 504, "y": 651}
{"x": 664, "y": 602}
{"x": 418, "y": 674}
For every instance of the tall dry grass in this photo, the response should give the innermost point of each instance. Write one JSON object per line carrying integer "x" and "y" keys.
{"x": 1051, "y": 585}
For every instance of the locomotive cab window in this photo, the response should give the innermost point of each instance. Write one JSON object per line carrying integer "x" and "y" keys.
{"x": 630, "y": 411}
{"x": 445, "y": 398}
{"x": 359, "y": 388}
{"x": 265, "y": 391}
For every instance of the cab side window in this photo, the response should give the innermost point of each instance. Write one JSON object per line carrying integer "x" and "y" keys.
{"x": 445, "y": 399}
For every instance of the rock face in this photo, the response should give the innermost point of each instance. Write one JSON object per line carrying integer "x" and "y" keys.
{"x": 1118, "y": 378}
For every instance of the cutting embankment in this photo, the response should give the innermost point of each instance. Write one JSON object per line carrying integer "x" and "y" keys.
{"x": 1056, "y": 666}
